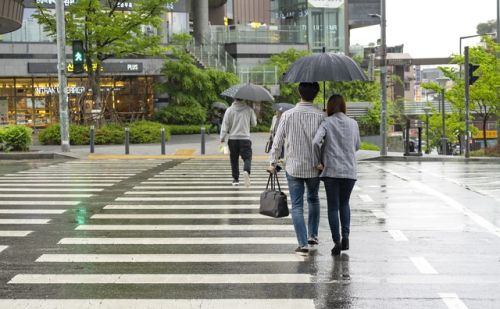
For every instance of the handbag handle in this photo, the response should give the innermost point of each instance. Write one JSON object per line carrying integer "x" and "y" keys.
{"x": 277, "y": 181}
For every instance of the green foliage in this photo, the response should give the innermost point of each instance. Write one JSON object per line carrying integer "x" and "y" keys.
{"x": 489, "y": 152}
{"x": 185, "y": 129}
{"x": 141, "y": 132}
{"x": 260, "y": 128}
{"x": 15, "y": 138}
{"x": 369, "y": 124}
{"x": 146, "y": 132}
{"x": 182, "y": 115}
{"x": 368, "y": 146}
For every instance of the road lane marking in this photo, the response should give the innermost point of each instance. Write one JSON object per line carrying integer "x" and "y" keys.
{"x": 58, "y": 178}
{"x": 24, "y": 221}
{"x": 157, "y": 303}
{"x": 452, "y": 203}
{"x": 180, "y": 241}
{"x": 169, "y": 258}
{"x": 168, "y": 207}
{"x": 15, "y": 233}
{"x": 191, "y": 192}
{"x": 191, "y": 198}
{"x": 452, "y": 301}
{"x": 3, "y": 248}
{"x": 229, "y": 188}
{"x": 194, "y": 182}
{"x": 160, "y": 279}
{"x": 398, "y": 235}
{"x": 423, "y": 265}
{"x": 48, "y": 190}
{"x": 179, "y": 216}
{"x": 184, "y": 227}
{"x": 32, "y": 211}
{"x": 379, "y": 214}
{"x": 69, "y": 182}
{"x": 42, "y": 203}
{"x": 25, "y": 184}
{"x": 70, "y": 174}
{"x": 366, "y": 198}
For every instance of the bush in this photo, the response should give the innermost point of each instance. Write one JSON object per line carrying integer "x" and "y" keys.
{"x": 185, "y": 129}
{"x": 109, "y": 134}
{"x": 260, "y": 128}
{"x": 193, "y": 114}
{"x": 488, "y": 152}
{"x": 147, "y": 132}
{"x": 17, "y": 138}
{"x": 368, "y": 146}
{"x": 78, "y": 135}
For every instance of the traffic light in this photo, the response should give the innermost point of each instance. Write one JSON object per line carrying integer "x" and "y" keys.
{"x": 472, "y": 68}
{"x": 78, "y": 57}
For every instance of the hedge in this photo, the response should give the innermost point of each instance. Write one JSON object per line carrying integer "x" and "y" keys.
{"x": 141, "y": 132}
{"x": 368, "y": 146}
{"x": 15, "y": 138}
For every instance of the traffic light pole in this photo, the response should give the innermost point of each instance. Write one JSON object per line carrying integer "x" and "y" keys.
{"x": 467, "y": 131}
{"x": 61, "y": 75}
{"x": 383, "y": 80}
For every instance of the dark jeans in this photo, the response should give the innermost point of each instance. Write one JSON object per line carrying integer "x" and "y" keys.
{"x": 338, "y": 193}
{"x": 237, "y": 148}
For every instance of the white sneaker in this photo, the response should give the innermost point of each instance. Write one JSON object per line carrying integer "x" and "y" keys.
{"x": 236, "y": 183}
{"x": 247, "y": 179}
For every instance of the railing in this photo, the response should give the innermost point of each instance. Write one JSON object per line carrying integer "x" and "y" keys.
{"x": 260, "y": 75}
{"x": 263, "y": 34}
{"x": 213, "y": 55}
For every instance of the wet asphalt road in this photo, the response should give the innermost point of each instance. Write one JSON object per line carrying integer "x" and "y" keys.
{"x": 175, "y": 234}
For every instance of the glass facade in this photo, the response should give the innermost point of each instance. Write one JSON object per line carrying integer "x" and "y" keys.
{"x": 320, "y": 21}
{"x": 32, "y": 101}
{"x": 30, "y": 31}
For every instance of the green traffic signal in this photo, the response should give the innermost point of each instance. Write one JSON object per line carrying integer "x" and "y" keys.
{"x": 472, "y": 78}
{"x": 78, "y": 57}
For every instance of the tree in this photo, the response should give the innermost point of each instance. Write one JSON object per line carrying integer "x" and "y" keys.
{"x": 189, "y": 86}
{"x": 107, "y": 32}
{"x": 488, "y": 27}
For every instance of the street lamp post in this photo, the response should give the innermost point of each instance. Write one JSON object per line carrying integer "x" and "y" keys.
{"x": 383, "y": 77}
{"x": 444, "y": 141}
{"x": 427, "y": 109}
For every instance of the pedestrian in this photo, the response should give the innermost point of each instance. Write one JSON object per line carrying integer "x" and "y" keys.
{"x": 274, "y": 128}
{"x": 215, "y": 120}
{"x": 297, "y": 129}
{"x": 335, "y": 146}
{"x": 238, "y": 119}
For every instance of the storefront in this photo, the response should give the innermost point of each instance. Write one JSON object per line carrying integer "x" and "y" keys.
{"x": 32, "y": 101}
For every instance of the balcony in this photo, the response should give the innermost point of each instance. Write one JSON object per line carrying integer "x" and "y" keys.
{"x": 258, "y": 34}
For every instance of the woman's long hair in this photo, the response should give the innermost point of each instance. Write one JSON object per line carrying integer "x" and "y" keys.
{"x": 336, "y": 104}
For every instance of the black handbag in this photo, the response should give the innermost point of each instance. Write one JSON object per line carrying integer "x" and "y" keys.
{"x": 273, "y": 203}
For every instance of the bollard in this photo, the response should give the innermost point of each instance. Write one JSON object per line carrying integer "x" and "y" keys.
{"x": 127, "y": 141}
{"x": 162, "y": 132}
{"x": 202, "y": 140}
{"x": 91, "y": 139}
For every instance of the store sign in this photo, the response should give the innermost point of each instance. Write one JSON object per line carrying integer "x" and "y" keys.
{"x": 55, "y": 90}
{"x": 329, "y": 4}
{"x": 489, "y": 134}
{"x": 51, "y": 3}
{"x": 126, "y": 67}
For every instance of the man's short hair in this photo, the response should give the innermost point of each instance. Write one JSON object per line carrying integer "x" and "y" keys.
{"x": 308, "y": 91}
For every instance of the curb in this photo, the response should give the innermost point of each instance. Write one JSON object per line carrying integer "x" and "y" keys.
{"x": 165, "y": 157}
{"x": 34, "y": 156}
{"x": 431, "y": 159}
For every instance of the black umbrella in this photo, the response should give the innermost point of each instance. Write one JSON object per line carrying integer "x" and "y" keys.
{"x": 220, "y": 105}
{"x": 324, "y": 67}
{"x": 282, "y": 107}
{"x": 249, "y": 92}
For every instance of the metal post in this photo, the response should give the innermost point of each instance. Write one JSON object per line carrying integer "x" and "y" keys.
{"x": 467, "y": 132}
{"x": 428, "y": 149}
{"x": 202, "y": 140}
{"x": 420, "y": 140}
{"x": 127, "y": 141}
{"x": 91, "y": 139}
{"x": 162, "y": 132}
{"x": 383, "y": 79}
{"x": 444, "y": 140}
{"x": 61, "y": 75}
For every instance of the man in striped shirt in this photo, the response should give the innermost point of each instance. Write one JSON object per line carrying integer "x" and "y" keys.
{"x": 296, "y": 131}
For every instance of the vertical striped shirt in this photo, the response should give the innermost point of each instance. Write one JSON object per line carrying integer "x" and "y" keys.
{"x": 297, "y": 127}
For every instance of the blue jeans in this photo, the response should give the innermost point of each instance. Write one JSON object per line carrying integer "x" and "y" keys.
{"x": 296, "y": 189}
{"x": 338, "y": 193}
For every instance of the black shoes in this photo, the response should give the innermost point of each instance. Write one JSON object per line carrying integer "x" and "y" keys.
{"x": 235, "y": 183}
{"x": 345, "y": 244}
{"x": 337, "y": 249}
{"x": 302, "y": 251}
{"x": 313, "y": 241}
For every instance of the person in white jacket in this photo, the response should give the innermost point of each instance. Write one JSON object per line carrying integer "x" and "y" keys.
{"x": 238, "y": 119}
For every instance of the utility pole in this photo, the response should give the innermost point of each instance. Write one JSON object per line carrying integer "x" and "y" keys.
{"x": 383, "y": 79}
{"x": 467, "y": 99}
{"x": 61, "y": 75}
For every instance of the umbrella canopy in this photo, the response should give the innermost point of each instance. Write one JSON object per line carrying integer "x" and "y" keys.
{"x": 219, "y": 105}
{"x": 282, "y": 107}
{"x": 249, "y": 92}
{"x": 324, "y": 67}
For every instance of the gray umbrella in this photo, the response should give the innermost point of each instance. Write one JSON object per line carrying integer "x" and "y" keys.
{"x": 219, "y": 105}
{"x": 324, "y": 67}
{"x": 249, "y": 92}
{"x": 282, "y": 107}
